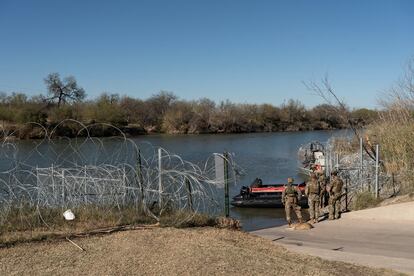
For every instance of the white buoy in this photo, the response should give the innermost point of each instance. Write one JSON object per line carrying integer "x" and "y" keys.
{"x": 69, "y": 215}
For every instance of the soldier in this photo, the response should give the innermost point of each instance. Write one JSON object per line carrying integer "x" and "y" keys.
{"x": 290, "y": 200}
{"x": 312, "y": 191}
{"x": 335, "y": 193}
{"x": 323, "y": 194}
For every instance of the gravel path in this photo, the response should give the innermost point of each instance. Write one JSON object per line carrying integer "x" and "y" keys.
{"x": 169, "y": 251}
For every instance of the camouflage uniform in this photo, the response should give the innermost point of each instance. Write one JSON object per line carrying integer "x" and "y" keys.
{"x": 323, "y": 194}
{"x": 290, "y": 200}
{"x": 335, "y": 197}
{"x": 313, "y": 191}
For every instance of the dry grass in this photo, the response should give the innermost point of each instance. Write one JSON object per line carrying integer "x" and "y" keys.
{"x": 393, "y": 130}
{"x": 344, "y": 146}
{"x": 87, "y": 217}
{"x": 396, "y": 140}
{"x": 170, "y": 251}
{"x": 395, "y": 136}
{"x": 30, "y": 224}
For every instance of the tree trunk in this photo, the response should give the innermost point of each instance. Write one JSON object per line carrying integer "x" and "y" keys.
{"x": 60, "y": 100}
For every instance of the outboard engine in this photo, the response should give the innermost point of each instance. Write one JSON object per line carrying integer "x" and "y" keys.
{"x": 245, "y": 192}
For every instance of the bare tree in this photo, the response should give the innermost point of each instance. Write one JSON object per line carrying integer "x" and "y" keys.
{"x": 326, "y": 92}
{"x": 63, "y": 91}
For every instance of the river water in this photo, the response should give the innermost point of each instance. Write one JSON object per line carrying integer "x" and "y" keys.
{"x": 269, "y": 156}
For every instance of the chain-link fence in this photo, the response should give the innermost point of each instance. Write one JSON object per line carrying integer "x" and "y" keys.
{"x": 361, "y": 172}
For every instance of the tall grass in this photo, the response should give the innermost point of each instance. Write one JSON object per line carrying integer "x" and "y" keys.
{"x": 394, "y": 129}
{"x": 31, "y": 224}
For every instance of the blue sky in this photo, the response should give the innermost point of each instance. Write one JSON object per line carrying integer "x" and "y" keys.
{"x": 245, "y": 51}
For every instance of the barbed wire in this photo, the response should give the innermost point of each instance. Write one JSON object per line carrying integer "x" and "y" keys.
{"x": 113, "y": 172}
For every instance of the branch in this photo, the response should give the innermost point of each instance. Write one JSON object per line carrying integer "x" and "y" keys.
{"x": 324, "y": 90}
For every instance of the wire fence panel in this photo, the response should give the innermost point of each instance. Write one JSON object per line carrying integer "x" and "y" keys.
{"x": 73, "y": 187}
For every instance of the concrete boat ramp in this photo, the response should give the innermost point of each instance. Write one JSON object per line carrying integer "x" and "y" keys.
{"x": 378, "y": 237}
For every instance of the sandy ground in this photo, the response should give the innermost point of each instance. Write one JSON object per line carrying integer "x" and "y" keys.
{"x": 168, "y": 251}
{"x": 378, "y": 237}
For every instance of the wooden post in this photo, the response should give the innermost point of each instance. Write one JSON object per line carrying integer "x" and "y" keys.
{"x": 226, "y": 185}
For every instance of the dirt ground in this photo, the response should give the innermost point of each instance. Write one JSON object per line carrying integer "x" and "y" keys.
{"x": 169, "y": 251}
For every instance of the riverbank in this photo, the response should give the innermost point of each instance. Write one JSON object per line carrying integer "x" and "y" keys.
{"x": 170, "y": 251}
{"x": 377, "y": 237}
{"x": 72, "y": 129}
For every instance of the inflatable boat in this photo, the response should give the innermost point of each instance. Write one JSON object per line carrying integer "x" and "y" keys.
{"x": 265, "y": 195}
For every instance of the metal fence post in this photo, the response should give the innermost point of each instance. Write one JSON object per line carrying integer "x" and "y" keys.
{"x": 328, "y": 169}
{"x": 346, "y": 194}
{"x": 124, "y": 180}
{"x": 393, "y": 183}
{"x": 85, "y": 183}
{"x": 190, "y": 196}
{"x": 159, "y": 178}
{"x": 53, "y": 184}
{"x": 376, "y": 171}
{"x": 140, "y": 178}
{"x": 226, "y": 185}
{"x": 63, "y": 186}
{"x": 38, "y": 183}
{"x": 330, "y": 162}
{"x": 361, "y": 162}
{"x": 337, "y": 161}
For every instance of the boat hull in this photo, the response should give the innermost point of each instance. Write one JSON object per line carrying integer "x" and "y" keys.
{"x": 239, "y": 201}
{"x": 265, "y": 196}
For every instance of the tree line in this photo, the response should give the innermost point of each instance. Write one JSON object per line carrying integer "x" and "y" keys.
{"x": 164, "y": 112}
